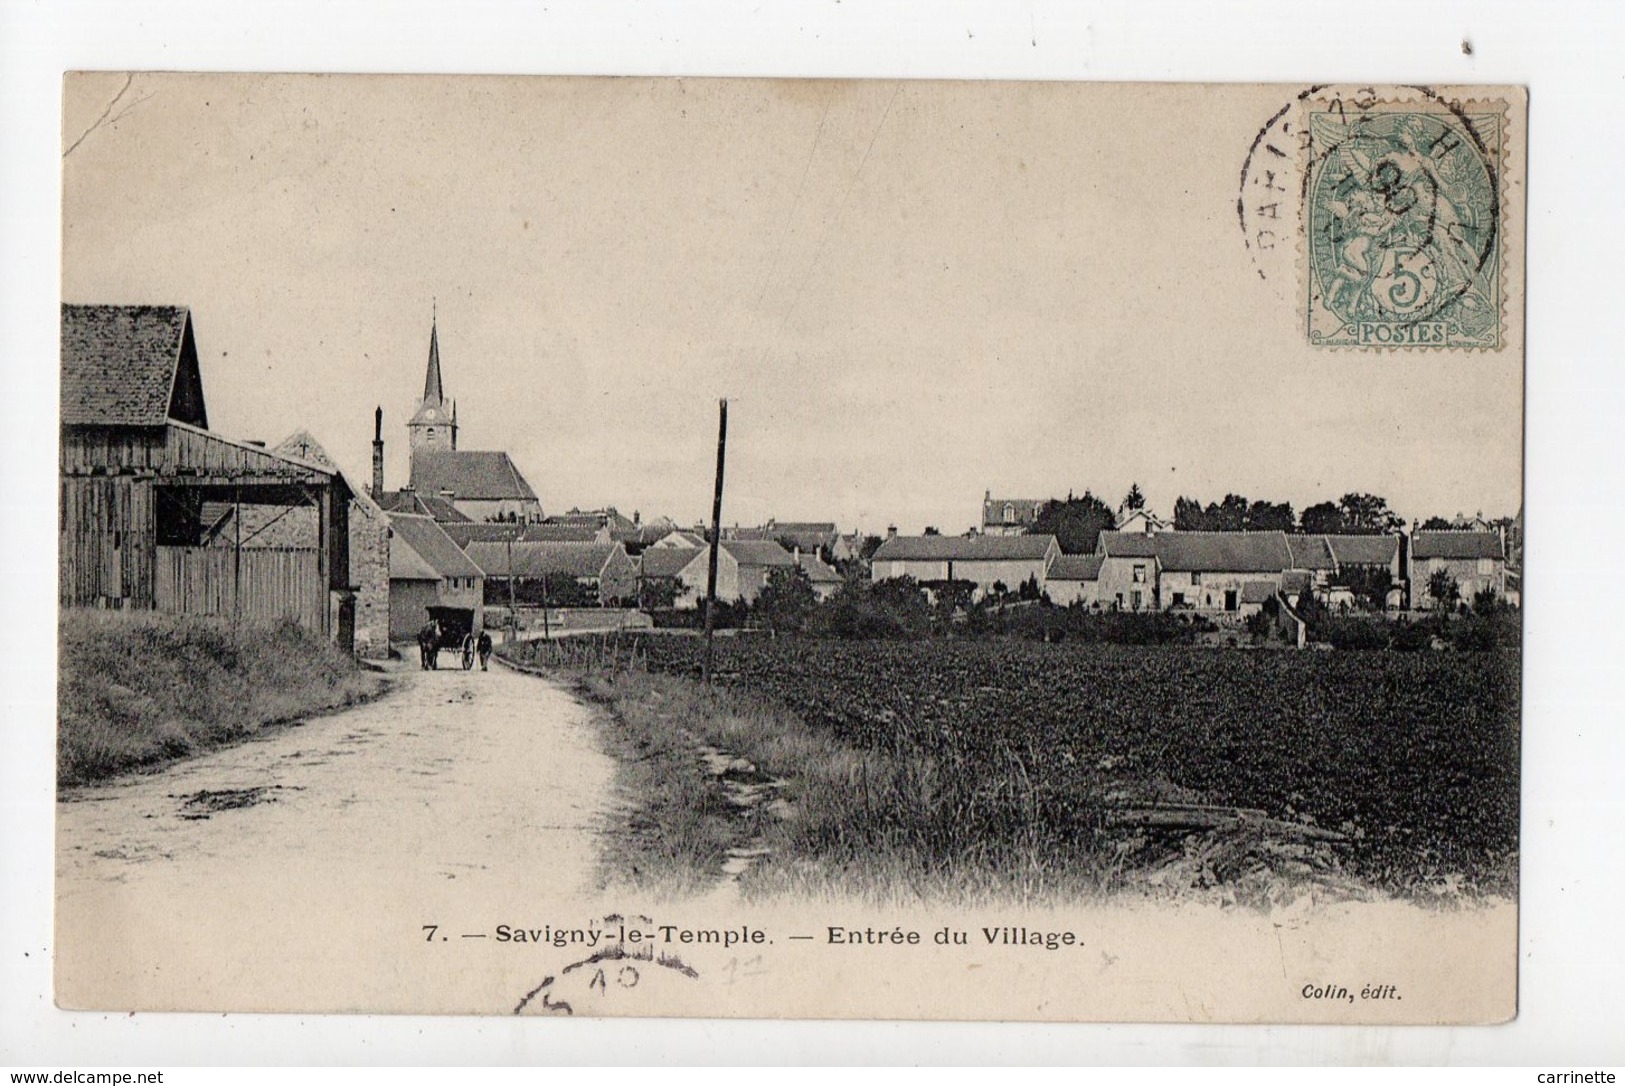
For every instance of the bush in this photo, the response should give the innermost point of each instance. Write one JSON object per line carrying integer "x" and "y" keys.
{"x": 137, "y": 687}
{"x": 1355, "y": 633}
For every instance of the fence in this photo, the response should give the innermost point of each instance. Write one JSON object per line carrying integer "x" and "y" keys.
{"x": 260, "y": 584}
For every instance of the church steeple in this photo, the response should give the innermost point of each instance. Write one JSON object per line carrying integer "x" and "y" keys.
{"x": 433, "y": 425}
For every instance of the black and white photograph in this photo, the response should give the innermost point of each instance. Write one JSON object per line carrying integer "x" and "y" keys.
{"x": 790, "y": 548}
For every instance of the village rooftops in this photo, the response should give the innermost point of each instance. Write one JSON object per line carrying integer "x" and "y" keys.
{"x": 817, "y": 570}
{"x": 959, "y": 548}
{"x": 407, "y": 500}
{"x": 429, "y": 554}
{"x": 1202, "y": 552}
{"x": 757, "y": 552}
{"x": 531, "y": 560}
{"x": 469, "y": 475}
{"x": 666, "y": 561}
{"x": 1311, "y": 552}
{"x": 130, "y": 365}
{"x": 498, "y": 532}
{"x": 1453, "y": 544}
{"x": 1363, "y": 550}
{"x": 1075, "y": 567}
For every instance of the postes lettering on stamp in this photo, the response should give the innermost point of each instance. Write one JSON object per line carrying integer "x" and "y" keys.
{"x": 1402, "y": 208}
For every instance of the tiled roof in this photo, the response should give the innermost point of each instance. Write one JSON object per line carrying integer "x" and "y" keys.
{"x": 955, "y": 548}
{"x": 537, "y": 559}
{"x": 469, "y": 475}
{"x": 1223, "y": 552}
{"x": 432, "y": 552}
{"x": 1310, "y": 552}
{"x": 1256, "y": 591}
{"x": 753, "y": 552}
{"x": 1296, "y": 580}
{"x": 819, "y": 571}
{"x": 1075, "y": 567}
{"x": 1456, "y": 545}
{"x": 429, "y": 505}
{"x": 119, "y": 364}
{"x": 302, "y": 446}
{"x": 1364, "y": 550}
{"x": 666, "y": 561}
{"x": 1127, "y": 545}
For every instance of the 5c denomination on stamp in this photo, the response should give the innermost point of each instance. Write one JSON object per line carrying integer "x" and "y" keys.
{"x": 1402, "y": 205}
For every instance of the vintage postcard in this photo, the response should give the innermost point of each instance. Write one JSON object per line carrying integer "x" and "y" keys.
{"x": 824, "y": 549}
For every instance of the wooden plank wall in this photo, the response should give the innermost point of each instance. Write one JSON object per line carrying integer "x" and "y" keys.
{"x": 269, "y": 584}
{"x": 105, "y": 532}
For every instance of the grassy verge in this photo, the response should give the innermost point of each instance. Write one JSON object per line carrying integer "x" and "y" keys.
{"x": 918, "y": 818}
{"x": 136, "y": 689}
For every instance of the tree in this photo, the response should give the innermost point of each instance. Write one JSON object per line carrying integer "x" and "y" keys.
{"x": 1189, "y": 516}
{"x": 871, "y": 543}
{"x": 1134, "y": 499}
{"x": 1436, "y": 524}
{"x": 1367, "y": 514}
{"x": 930, "y": 530}
{"x": 1076, "y": 523}
{"x": 1323, "y": 518}
{"x": 1444, "y": 590}
{"x": 1265, "y": 516}
{"x": 786, "y": 598}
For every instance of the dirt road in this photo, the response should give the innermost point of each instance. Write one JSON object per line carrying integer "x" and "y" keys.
{"x": 281, "y": 865}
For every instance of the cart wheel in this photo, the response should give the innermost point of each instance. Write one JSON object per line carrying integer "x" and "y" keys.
{"x": 468, "y": 652}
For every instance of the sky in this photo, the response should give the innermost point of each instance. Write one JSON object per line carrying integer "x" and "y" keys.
{"x": 910, "y": 293}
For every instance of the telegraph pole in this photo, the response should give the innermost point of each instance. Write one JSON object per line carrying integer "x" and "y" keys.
{"x": 716, "y": 538}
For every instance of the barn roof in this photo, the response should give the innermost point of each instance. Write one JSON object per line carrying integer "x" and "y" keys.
{"x": 429, "y": 553}
{"x": 469, "y": 475}
{"x": 130, "y": 365}
{"x": 302, "y": 446}
{"x": 1456, "y": 545}
{"x": 1310, "y": 552}
{"x": 537, "y": 559}
{"x": 1363, "y": 550}
{"x": 1023, "y": 510}
{"x": 1127, "y": 545}
{"x": 666, "y": 561}
{"x": 1226, "y": 552}
{"x": 962, "y": 548}
{"x": 1075, "y": 567}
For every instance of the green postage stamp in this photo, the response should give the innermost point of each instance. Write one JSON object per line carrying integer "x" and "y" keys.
{"x": 1403, "y": 220}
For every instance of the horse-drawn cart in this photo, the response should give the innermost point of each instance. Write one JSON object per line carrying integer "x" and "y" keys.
{"x": 449, "y": 628}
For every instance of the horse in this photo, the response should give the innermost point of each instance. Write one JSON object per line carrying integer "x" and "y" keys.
{"x": 429, "y": 645}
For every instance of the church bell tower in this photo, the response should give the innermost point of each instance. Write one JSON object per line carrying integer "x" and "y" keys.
{"x": 434, "y": 425}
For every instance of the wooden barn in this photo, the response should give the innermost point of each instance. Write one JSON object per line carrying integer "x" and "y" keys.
{"x": 140, "y": 467}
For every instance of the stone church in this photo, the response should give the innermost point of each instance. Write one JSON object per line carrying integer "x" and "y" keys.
{"x": 447, "y": 483}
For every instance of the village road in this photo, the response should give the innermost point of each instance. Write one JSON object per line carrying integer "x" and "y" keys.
{"x": 254, "y": 877}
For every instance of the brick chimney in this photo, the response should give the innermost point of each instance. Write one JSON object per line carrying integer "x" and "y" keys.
{"x": 377, "y": 452}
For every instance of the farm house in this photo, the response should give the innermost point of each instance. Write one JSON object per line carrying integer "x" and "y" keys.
{"x": 139, "y": 466}
{"x": 985, "y": 560}
{"x": 427, "y": 569}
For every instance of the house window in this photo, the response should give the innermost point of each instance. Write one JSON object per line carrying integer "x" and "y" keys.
{"x": 1179, "y": 599}
{"x": 1196, "y": 577}
{"x": 1139, "y": 575}
{"x": 1135, "y": 599}
{"x": 1119, "y": 600}
{"x": 1009, "y": 514}
{"x": 1232, "y": 599}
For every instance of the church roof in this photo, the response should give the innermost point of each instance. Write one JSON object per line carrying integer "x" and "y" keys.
{"x": 130, "y": 365}
{"x": 469, "y": 475}
{"x": 433, "y": 409}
